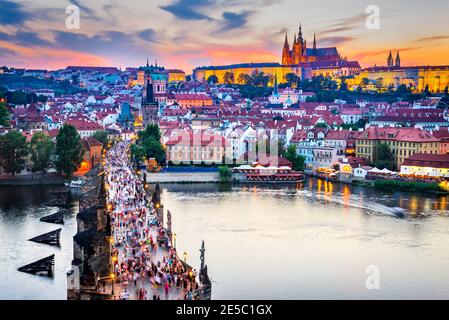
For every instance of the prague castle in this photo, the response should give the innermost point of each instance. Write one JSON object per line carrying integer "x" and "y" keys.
{"x": 310, "y": 62}
{"x": 301, "y": 54}
{"x": 299, "y": 60}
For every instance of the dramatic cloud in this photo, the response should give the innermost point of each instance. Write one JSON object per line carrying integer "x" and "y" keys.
{"x": 147, "y": 35}
{"x": 12, "y": 13}
{"x": 105, "y": 42}
{"x": 345, "y": 24}
{"x": 433, "y": 38}
{"x": 82, "y": 7}
{"x": 189, "y": 9}
{"x": 233, "y": 20}
{"x": 334, "y": 41}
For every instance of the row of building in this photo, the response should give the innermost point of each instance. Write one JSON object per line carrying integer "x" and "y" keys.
{"x": 307, "y": 62}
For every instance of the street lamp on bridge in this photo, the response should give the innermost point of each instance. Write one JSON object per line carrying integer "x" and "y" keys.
{"x": 174, "y": 240}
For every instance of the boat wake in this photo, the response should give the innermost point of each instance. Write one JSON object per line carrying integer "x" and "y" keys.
{"x": 356, "y": 201}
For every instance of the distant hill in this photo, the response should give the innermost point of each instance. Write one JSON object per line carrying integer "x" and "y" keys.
{"x": 15, "y": 82}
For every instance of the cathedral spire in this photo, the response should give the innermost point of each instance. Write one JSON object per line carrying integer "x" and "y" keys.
{"x": 314, "y": 41}
{"x": 148, "y": 62}
{"x": 397, "y": 62}
{"x": 300, "y": 33}
{"x": 286, "y": 45}
{"x": 294, "y": 39}
{"x": 390, "y": 61}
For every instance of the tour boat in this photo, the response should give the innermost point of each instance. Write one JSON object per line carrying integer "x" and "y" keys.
{"x": 75, "y": 184}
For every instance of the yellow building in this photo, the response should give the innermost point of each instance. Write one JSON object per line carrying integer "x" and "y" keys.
{"x": 403, "y": 143}
{"x": 274, "y": 69}
{"x": 175, "y": 75}
{"x": 417, "y": 78}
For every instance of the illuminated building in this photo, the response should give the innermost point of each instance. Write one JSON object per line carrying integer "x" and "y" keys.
{"x": 175, "y": 75}
{"x": 299, "y": 60}
{"x": 391, "y": 76}
{"x": 403, "y": 143}
{"x": 426, "y": 165}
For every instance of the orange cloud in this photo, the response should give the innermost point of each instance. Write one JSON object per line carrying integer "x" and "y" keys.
{"x": 50, "y": 58}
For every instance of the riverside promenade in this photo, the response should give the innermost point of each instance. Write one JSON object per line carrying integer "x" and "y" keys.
{"x": 144, "y": 263}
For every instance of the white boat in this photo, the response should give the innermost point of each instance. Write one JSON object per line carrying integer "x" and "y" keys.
{"x": 75, "y": 184}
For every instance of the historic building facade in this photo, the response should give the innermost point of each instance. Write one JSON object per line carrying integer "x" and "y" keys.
{"x": 299, "y": 53}
{"x": 417, "y": 78}
{"x": 299, "y": 59}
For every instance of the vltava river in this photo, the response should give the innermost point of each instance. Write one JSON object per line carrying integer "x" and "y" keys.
{"x": 313, "y": 242}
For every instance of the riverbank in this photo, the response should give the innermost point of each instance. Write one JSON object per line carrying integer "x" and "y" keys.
{"x": 411, "y": 186}
{"x": 32, "y": 180}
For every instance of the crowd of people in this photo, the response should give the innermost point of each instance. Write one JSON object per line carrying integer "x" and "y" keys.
{"x": 146, "y": 266}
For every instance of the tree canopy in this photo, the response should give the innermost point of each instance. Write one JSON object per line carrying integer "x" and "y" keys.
{"x": 212, "y": 79}
{"x": 68, "y": 150}
{"x": 41, "y": 148}
{"x": 293, "y": 80}
{"x": 13, "y": 150}
{"x": 4, "y": 115}
{"x": 292, "y": 155}
{"x": 148, "y": 145}
{"x": 102, "y": 136}
{"x": 228, "y": 78}
{"x": 384, "y": 157}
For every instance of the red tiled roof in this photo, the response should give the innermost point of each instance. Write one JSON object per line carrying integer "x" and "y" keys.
{"x": 82, "y": 125}
{"x": 396, "y": 134}
{"x": 428, "y": 160}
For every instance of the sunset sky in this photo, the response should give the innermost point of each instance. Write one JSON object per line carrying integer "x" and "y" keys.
{"x": 190, "y": 33}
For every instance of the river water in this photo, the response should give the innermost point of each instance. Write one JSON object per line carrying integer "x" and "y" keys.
{"x": 317, "y": 241}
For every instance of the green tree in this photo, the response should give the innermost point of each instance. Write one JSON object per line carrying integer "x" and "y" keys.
{"x": 102, "y": 136}
{"x": 384, "y": 157}
{"x": 228, "y": 78}
{"x": 212, "y": 79}
{"x": 41, "y": 148}
{"x": 364, "y": 83}
{"x": 297, "y": 160}
{"x": 68, "y": 150}
{"x": 244, "y": 79}
{"x": 4, "y": 115}
{"x": 225, "y": 173}
{"x": 361, "y": 123}
{"x": 13, "y": 150}
{"x": 319, "y": 83}
{"x": 149, "y": 145}
{"x": 292, "y": 79}
{"x": 343, "y": 85}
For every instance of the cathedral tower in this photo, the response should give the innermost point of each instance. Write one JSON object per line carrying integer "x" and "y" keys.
{"x": 390, "y": 61}
{"x": 397, "y": 62}
{"x": 298, "y": 47}
{"x": 286, "y": 58}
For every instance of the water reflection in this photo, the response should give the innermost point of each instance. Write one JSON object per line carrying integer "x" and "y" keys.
{"x": 310, "y": 240}
{"x": 313, "y": 241}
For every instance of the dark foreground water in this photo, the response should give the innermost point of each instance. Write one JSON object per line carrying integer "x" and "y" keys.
{"x": 20, "y": 211}
{"x": 314, "y": 241}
